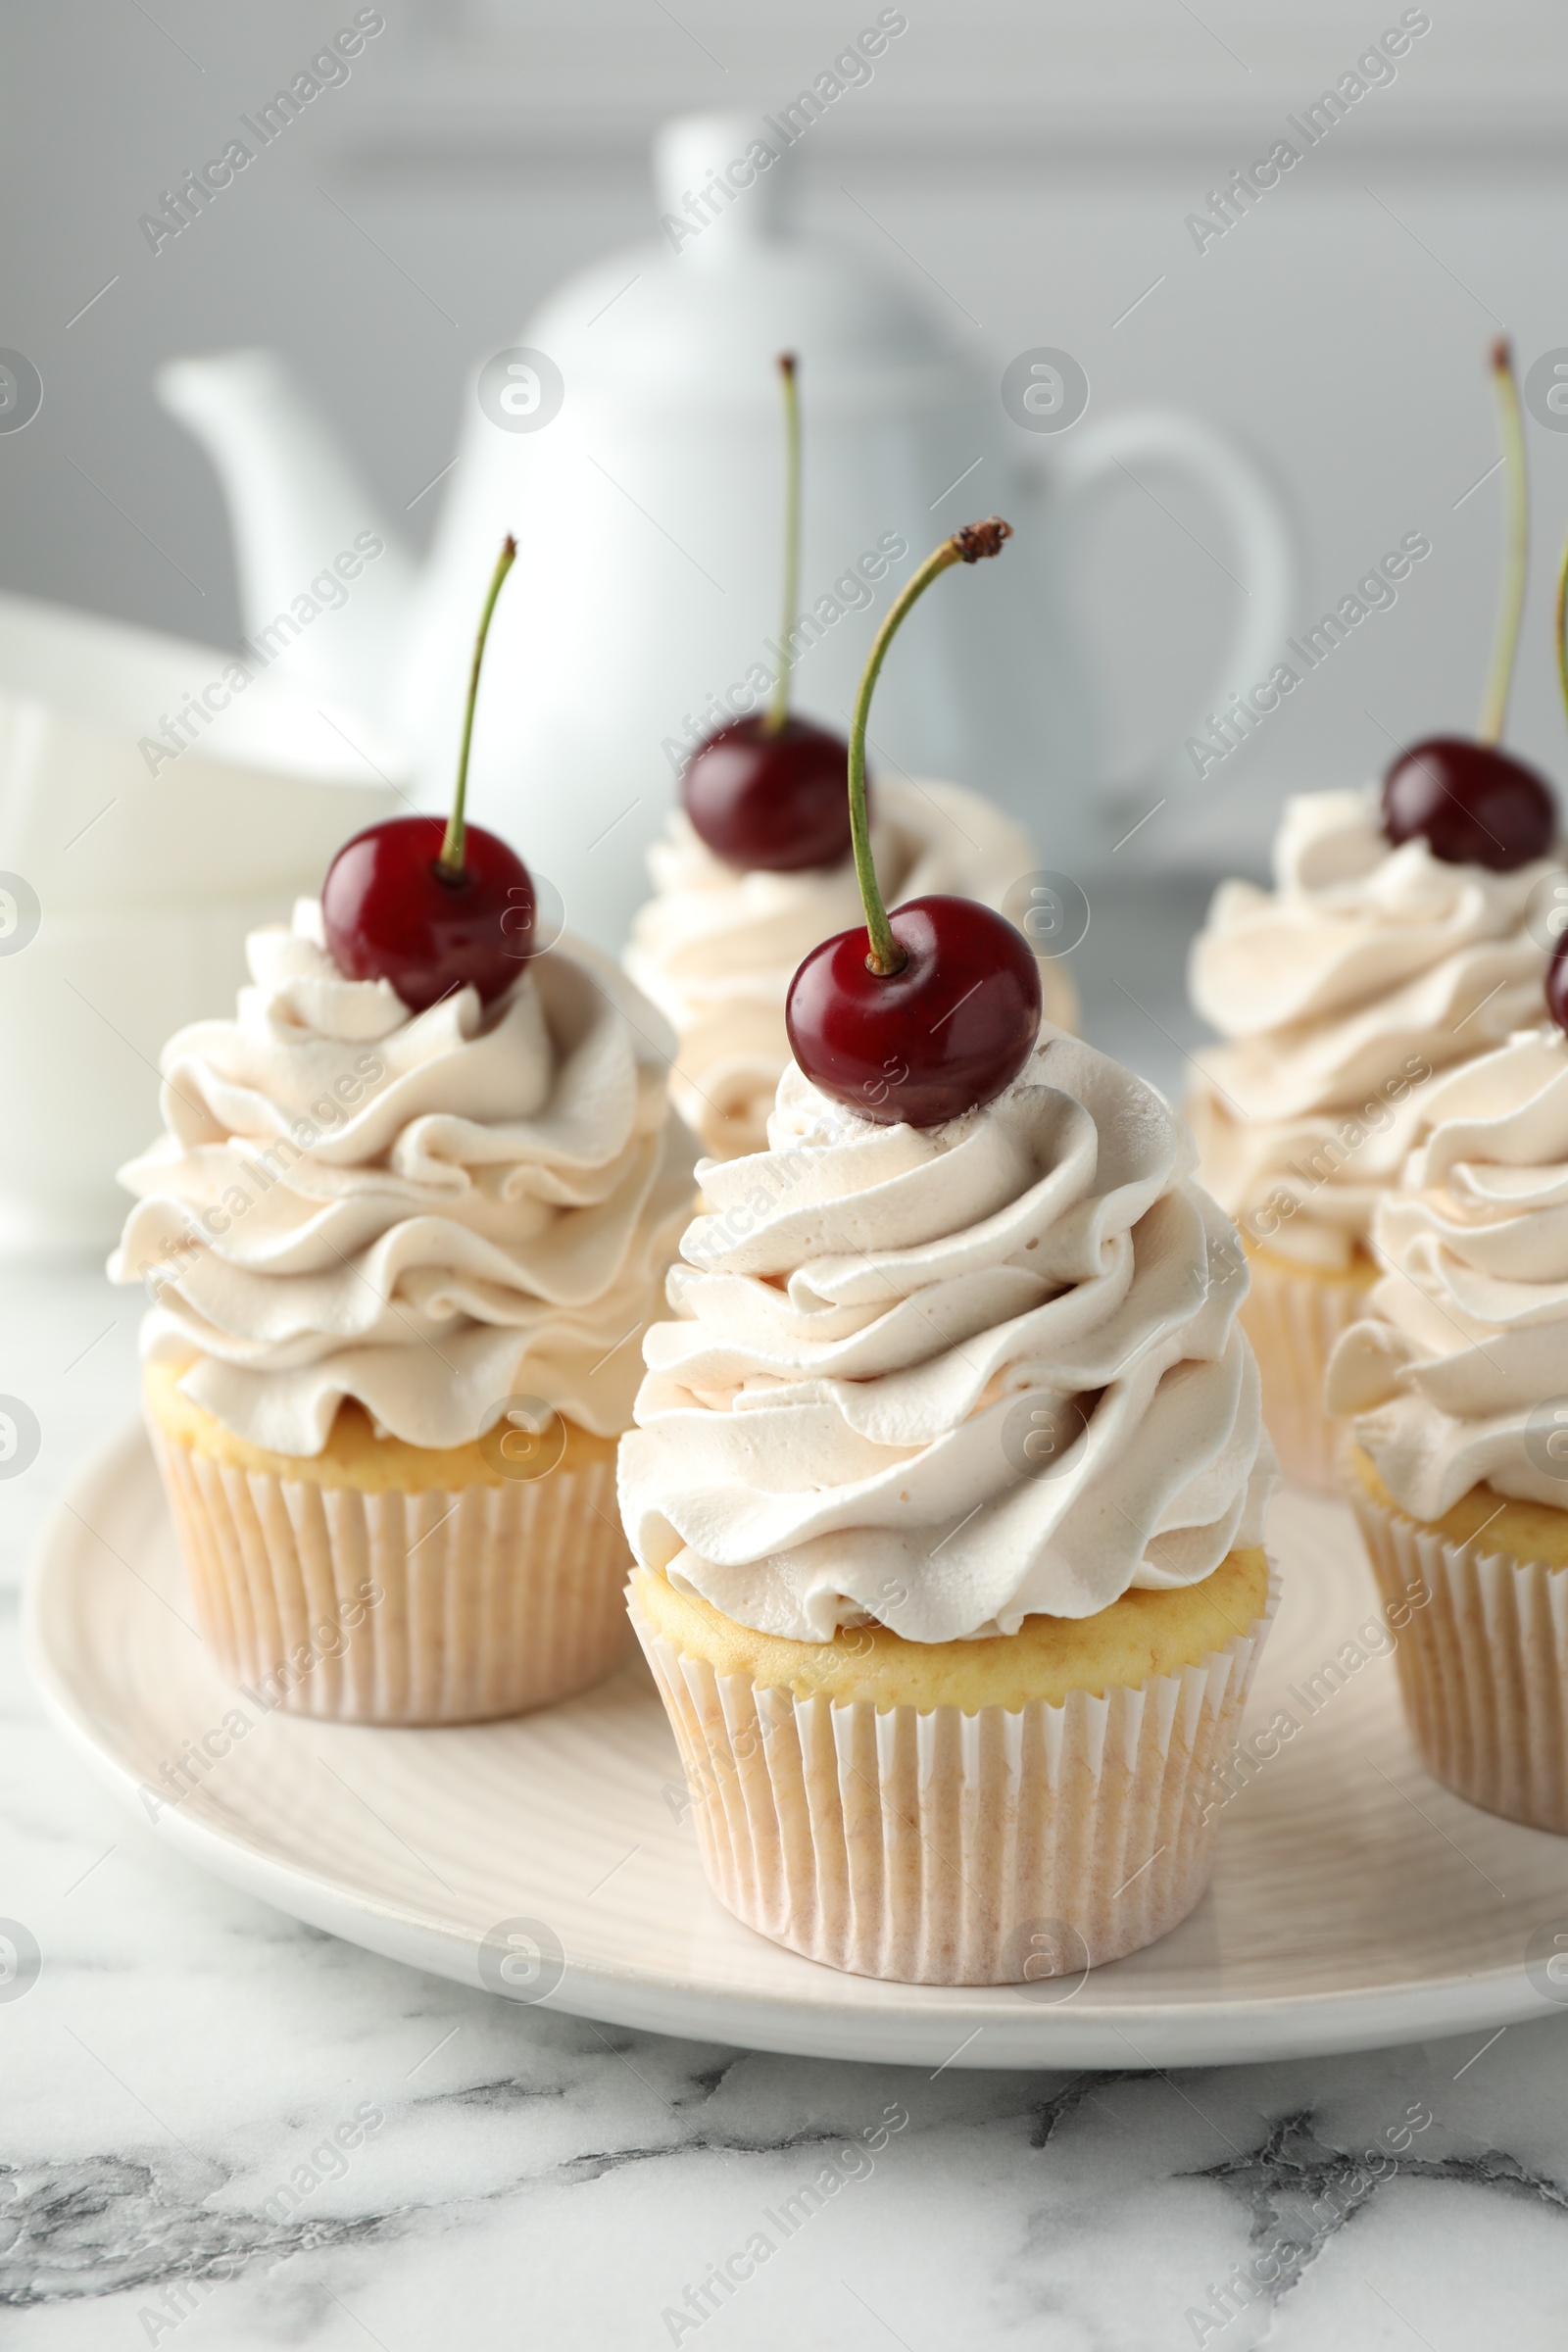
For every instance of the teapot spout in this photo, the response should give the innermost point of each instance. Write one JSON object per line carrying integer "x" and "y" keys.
{"x": 326, "y": 587}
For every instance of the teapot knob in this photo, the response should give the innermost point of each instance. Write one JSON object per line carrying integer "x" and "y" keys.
{"x": 712, "y": 196}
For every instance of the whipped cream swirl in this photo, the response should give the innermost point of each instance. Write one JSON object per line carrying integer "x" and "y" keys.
{"x": 1340, "y": 992}
{"x": 430, "y": 1213}
{"x": 717, "y": 949}
{"x": 1465, "y": 1349}
{"x": 946, "y": 1378}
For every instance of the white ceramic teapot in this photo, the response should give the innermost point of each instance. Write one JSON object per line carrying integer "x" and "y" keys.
{"x": 632, "y": 443}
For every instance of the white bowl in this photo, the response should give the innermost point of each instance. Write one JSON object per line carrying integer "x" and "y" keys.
{"x": 267, "y": 790}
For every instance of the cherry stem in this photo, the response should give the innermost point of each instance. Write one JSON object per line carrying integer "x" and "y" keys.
{"x": 778, "y": 708}
{"x": 1516, "y": 547}
{"x": 966, "y": 546}
{"x": 450, "y": 862}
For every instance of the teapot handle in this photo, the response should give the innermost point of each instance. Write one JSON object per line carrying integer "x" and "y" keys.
{"x": 1262, "y": 532}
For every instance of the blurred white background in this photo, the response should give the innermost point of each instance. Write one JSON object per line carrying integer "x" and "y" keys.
{"x": 1031, "y": 166}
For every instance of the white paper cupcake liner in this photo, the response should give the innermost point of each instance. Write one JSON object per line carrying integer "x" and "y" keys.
{"x": 1292, "y": 1321}
{"x": 941, "y": 1847}
{"x": 401, "y": 1608}
{"x": 1483, "y": 1662}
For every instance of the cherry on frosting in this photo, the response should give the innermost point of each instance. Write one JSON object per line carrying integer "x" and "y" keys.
{"x": 768, "y": 791}
{"x": 948, "y": 1029}
{"x": 931, "y": 1011}
{"x": 1472, "y": 803}
{"x": 433, "y": 905}
{"x": 391, "y": 911}
{"x": 770, "y": 796}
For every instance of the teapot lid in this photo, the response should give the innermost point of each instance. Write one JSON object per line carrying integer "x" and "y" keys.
{"x": 702, "y": 314}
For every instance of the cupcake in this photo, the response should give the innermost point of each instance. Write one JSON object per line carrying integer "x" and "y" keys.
{"x": 1372, "y": 964}
{"x": 409, "y": 1216}
{"x": 716, "y": 946}
{"x": 948, "y": 1483}
{"x": 1402, "y": 935}
{"x": 946, "y": 1496}
{"x": 399, "y": 1264}
{"x": 1456, "y": 1380}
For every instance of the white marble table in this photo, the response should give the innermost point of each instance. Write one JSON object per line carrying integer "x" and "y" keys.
{"x": 517, "y": 2177}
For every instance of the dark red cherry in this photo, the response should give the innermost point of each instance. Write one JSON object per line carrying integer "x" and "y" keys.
{"x": 432, "y": 905}
{"x": 929, "y": 1011}
{"x": 937, "y": 1038}
{"x": 391, "y": 911}
{"x": 1473, "y": 804}
{"x": 770, "y": 801}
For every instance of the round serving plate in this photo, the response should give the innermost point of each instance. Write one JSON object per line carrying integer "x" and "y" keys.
{"x": 1354, "y": 1901}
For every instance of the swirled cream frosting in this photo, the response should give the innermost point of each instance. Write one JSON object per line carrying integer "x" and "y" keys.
{"x": 431, "y": 1212}
{"x": 1338, "y": 993}
{"x": 947, "y": 1378}
{"x": 1452, "y": 1374}
{"x": 716, "y": 949}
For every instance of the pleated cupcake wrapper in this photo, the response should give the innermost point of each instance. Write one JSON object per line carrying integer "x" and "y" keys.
{"x": 939, "y": 1847}
{"x": 1483, "y": 1662}
{"x": 1292, "y": 1321}
{"x": 396, "y": 1609}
